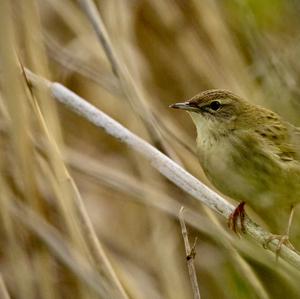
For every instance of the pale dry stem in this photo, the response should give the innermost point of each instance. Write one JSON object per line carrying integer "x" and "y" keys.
{"x": 164, "y": 165}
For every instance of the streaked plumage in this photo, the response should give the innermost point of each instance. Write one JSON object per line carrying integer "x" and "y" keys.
{"x": 248, "y": 152}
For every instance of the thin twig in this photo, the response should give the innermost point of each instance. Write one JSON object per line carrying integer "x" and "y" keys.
{"x": 162, "y": 163}
{"x": 190, "y": 255}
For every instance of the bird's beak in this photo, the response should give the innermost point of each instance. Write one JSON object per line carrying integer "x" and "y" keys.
{"x": 184, "y": 106}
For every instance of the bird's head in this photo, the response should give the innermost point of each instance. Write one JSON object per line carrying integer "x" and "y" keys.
{"x": 216, "y": 110}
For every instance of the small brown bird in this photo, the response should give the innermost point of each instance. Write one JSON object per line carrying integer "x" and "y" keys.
{"x": 250, "y": 154}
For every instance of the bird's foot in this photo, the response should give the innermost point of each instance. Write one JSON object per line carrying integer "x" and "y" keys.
{"x": 237, "y": 215}
{"x": 282, "y": 240}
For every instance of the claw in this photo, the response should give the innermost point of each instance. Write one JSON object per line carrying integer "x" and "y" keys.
{"x": 282, "y": 240}
{"x": 237, "y": 214}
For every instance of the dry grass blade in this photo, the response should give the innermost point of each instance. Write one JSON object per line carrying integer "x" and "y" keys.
{"x": 91, "y": 11}
{"x": 127, "y": 84}
{"x": 90, "y": 238}
{"x": 75, "y": 63}
{"x": 3, "y": 290}
{"x": 102, "y": 262}
{"x": 61, "y": 249}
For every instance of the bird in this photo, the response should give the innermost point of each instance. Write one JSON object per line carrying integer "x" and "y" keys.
{"x": 250, "y": 154}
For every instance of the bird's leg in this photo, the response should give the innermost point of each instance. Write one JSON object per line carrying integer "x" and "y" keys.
{"x": 283, "y": 239}
{"x": 237, "y": 214}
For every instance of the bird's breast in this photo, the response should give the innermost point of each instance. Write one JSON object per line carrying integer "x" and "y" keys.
{"x": 216, "y": 160}
{"x": 245, "y": 173}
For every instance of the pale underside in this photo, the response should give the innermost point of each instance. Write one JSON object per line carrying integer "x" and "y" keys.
{"x": 247, "y": 166}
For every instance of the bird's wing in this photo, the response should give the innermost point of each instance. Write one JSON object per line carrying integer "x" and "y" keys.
{"x": 282, "y": 139}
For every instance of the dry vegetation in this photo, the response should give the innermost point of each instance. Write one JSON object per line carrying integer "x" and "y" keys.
{"x": 82, "y": 215}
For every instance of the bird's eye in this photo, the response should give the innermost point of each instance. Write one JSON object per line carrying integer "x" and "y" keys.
{"x": 215, "y": 105}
